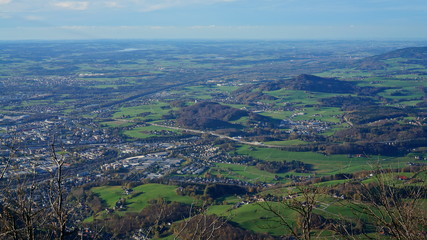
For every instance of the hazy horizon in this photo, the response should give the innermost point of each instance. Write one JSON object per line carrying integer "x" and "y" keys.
{"x": 213, "y": 20}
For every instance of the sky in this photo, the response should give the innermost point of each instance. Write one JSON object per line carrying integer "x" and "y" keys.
{"x": 214, "y": 19}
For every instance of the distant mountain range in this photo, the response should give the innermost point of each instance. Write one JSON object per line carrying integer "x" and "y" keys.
{"x": 415, "y": 55}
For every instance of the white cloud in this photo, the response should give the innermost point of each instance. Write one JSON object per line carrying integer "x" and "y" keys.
{"x": 26, "y": 6}
{"x": 203, "y": 27}
{"x": 5, "y": 1}
{"x": 154, "y": 5}
{"x": 113, "y": 4}
{"x": 72, "y": 5}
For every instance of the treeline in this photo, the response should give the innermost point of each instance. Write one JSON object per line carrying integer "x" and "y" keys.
{"x": 359, "y": 147}
{"x": 381, "y": 133}
{"x": 369, "y": 114}
{"x": 283, "y": 166}
{"x": 211, "y": 191}
{"x": 347, "y": 103}
{"x": 362, "y": 148}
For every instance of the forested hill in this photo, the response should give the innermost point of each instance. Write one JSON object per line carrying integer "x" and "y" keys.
{"x": 311, "y": 83}
{"x": 212, "y": 115}
{"x": 416, "y": 55}
{"x": 209, "y": 115}
{"x": 319, "y": 84}
{"x": 411, "y": 52}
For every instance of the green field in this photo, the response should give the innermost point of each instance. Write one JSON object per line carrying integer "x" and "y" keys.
{"x": 414, "y": 179}
{"x": 117, "y": 123}
{"x": 156, "y": 191}
{"x": 253, "y": 217}
{"x": 245, "y": 173}
{"x": 331, "y": 183}
{"x": 154, "y": 111}
{"x": 148, "y": 131}
{"x": 109, "y": 194}
{"x": 204, "y": 92}
{"x": 140, "y": 196}
{"x": 322, "y": 164}
{"x": 295, "y": 96}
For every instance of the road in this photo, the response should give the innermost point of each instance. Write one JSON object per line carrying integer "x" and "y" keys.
{"x": 258, "y": 144}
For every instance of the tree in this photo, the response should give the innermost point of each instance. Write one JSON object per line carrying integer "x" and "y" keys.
{"x": 303, "y": 204}
{"x": 56, "y": 196}
{"x": 395, "y": 210}
{"x": 32, "y": 207}
{"x": 199, "y": 225}
{"x": 20, "y": 214}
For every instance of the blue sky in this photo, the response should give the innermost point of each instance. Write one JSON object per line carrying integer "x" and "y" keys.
{"x": 213, "y": 19}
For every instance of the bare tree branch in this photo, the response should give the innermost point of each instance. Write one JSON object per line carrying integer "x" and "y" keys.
{"x": 394, "y": 210}
{"x": 303, "y": 205}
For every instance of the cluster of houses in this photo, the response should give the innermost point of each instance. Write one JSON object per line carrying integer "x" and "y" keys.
{"x": 160, "y": 160}
{"x": 67, "y": 131}
{"x": 32, "y": 137}
{"x": 193, "y": 169}
{"x": 305, "y": 127}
